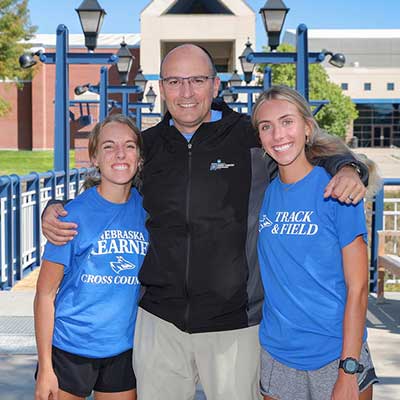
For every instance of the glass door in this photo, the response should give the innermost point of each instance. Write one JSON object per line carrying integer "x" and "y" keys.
{"x": 382, "y": 136}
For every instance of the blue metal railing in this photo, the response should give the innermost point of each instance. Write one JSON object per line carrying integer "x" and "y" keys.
{"x": 22, "y": 199}
{"x": 377, "y": 224}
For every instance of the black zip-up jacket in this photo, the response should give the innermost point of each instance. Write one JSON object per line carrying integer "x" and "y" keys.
{"x": 203, "y": 197}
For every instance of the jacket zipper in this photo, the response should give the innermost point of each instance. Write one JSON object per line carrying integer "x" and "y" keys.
{"x": 189, "y": 237}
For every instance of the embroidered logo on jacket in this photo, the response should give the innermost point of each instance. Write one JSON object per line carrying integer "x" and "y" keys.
{"x": 214, "y": 166}
{"x": 121, "y": 265}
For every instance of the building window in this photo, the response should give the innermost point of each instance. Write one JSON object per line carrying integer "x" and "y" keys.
{"x": 390, "y": 86}
{"x": 367, "y": 86}
{"x": 344, "y": 86}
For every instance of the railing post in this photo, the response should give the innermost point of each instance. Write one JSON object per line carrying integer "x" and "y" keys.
{"x": 302, "y": 60}
{"x": 103, "y": 93}
{"x": 377, "y": 225}
{"x": 75, "y": 178}
{"x": 139, "y": 118}
{"x": 62, "y": 132}
{"x": 267, "y": 77}
{"x": 125, "y": 104}
{"x": 10, "y": 232}
{"x": 35, "y": 186}
{"x": 17, "y": 238}
{"x": 3, "y": 233}
{"x": 249, "y": 103}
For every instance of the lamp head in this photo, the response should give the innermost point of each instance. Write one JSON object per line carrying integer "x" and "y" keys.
{"x": 124, "y": 64}
{"x": 141, "y": 81}
{"x": 337, "y": 60}
{"x": 151, "y": 97}
{"x": 228, "y": 96}
{"x": 235, "y": 79}
{"x": 81, "y": 89}
{"x": 246, "y": 66}
{"x": 273, "y": 15}
{"x": 91, "y": 16}
{"x": 27, "y": 60}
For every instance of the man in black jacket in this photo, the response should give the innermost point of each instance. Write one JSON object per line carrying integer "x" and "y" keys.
{"x": 203, "y": 182}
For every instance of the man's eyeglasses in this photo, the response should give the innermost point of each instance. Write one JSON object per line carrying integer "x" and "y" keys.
{"x": 175, "y": 82}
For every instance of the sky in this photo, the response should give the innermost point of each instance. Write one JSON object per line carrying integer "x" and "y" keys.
{"x": 123, "y": 15}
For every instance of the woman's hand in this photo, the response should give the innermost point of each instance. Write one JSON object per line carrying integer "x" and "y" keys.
{"x": 46, "y": 386}
{"x": 346, "y": 186}
{"x": 346, "y": 387}
{"x": 55, "y": 231}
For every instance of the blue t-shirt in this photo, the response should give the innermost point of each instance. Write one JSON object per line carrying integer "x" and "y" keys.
{"x": 301, "y": 236}
{"x": 96, "y": 305}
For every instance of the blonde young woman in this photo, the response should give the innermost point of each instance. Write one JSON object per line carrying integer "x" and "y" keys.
{"x": 313, "y": 259}
{"x": 86, "y": 299}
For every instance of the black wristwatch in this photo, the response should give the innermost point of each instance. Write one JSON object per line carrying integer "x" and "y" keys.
{"x": 351, "y": 366}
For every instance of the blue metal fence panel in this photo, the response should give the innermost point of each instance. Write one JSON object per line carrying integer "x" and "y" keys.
{"x": 22, "y": 199}
{"x": 377, "y": 225}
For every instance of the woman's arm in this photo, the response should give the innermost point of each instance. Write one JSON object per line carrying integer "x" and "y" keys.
{"x": 49, "y": 280}
{"x": 335, "y": 163}
{"x": 56, "y": 231}
{"x": 355, "y": 266}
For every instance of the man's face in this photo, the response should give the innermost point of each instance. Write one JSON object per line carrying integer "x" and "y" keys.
{"x": 188, "y": 104}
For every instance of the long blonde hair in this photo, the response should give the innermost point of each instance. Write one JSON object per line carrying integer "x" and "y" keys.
{"x": 95, "y": 178}
{"x": 320, "y": 144}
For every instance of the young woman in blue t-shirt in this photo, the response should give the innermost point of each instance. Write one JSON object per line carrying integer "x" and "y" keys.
{"x": 86, "y": 299}
{"x": 313, "y": 260}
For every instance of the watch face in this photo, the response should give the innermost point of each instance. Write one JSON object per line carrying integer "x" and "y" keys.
{"x": 350, "y": 365}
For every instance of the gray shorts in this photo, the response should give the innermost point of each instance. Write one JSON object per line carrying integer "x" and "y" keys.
{"x": 284, "y": 383}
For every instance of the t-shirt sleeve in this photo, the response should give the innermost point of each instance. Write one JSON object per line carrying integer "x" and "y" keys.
{"x": 350, "y": 222}
{"x": 62, "y": 254}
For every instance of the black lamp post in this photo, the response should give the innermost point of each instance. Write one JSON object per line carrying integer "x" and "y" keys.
{"x": 235, "y": 79}
{"x": 91, "y": 16}
{"x": 273, "y": 14}
{"x": 124, "y": 64}
{"x": 246, "y": 66}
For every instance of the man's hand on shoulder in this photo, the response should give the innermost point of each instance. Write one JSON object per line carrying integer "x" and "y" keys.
{"x": 55, "y": 231}
{"x": 346, "y": 186}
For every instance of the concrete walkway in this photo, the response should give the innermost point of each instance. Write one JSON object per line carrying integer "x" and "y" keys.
{"x": 18, "y": 351}
{"x": 387, "y": 160}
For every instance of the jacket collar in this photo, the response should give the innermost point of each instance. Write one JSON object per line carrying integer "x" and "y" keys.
{"x": 218, "y": 105}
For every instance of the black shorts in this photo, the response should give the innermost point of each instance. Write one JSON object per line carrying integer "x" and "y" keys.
{"x": 80, "y": 375}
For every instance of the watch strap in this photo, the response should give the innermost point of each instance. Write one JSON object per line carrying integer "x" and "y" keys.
{"x": 360, "y": 367}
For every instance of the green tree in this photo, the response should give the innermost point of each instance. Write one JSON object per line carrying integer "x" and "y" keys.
{"x": 15, "y": 28}
{"x": 334, "y": 117}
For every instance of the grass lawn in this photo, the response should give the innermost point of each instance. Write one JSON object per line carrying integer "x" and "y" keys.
{"x": 23, "y": 162}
